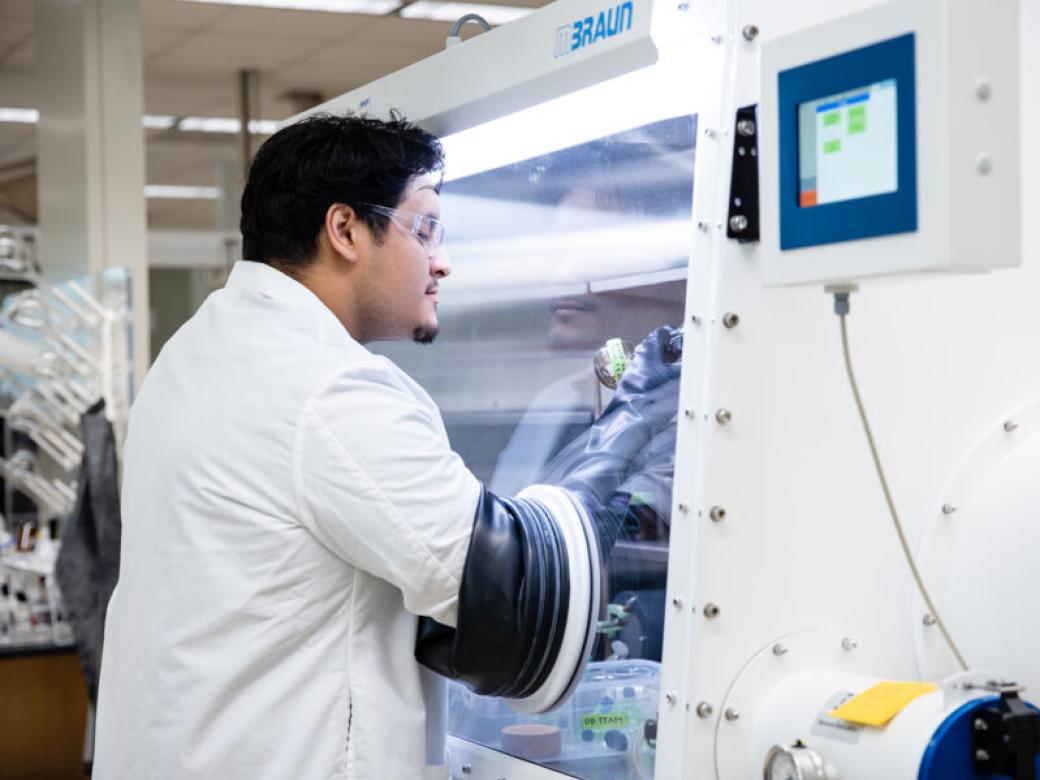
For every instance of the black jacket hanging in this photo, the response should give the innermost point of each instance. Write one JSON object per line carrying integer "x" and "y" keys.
{"x": 88, "y": 564}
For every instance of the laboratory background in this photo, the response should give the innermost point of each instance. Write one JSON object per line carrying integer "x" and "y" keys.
{"x": 832, "y": 570}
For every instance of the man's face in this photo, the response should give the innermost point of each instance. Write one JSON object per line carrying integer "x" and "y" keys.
{"x": 403, "y": 277}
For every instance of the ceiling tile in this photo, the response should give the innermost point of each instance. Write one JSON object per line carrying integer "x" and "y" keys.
{"x": 17, "y": 143}
{"x": 306, "y": 24}
{"x": 364, "y": 60}
{"x": 175, "y": 163}
{"x": 170, "y": 214}
{"x": 18, "y": 87}
{"x": 155, "y": 40}
{"x": 334, "y": 71}
{"x": 179, "y": 15}
{"x": 218, "y": 53}
{"x": 21, "y": 56}
{"x": 13, "y": 32}
{"x": 16, "y": 11}
{"x": 394, "y": 30}
{"x": 190, "y": 96}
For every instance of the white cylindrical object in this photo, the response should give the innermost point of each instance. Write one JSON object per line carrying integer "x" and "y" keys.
{"x": 796, "y": 709}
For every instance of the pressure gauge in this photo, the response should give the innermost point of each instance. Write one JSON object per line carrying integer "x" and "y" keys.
{"x": 796, "y": 763}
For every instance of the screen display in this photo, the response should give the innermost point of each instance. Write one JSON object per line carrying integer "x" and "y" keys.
{"x": 847, "y": 145}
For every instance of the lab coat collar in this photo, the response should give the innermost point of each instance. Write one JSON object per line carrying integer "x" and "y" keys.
{"x": 276, "y": 285}
{"x": 269, "y": 281}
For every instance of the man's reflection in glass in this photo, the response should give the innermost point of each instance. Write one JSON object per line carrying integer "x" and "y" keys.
{"x": 580, "y": 324}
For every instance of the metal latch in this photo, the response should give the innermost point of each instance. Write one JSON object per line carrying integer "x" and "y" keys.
{"x": 1006, "y": 738}
{"x": 742, "y": 220}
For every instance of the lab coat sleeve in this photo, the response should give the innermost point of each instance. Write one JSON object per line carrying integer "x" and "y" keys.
{"x": 377, "y": 483}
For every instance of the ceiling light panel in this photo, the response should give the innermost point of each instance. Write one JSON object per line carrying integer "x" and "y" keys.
{"x": 373, "y": 7}
{"x": 209, "y": 124}
{"x": 225, "y": 124}
{"x": 156, "y": 122}
{"x": 205, "y": 124}
{"x": 450, "y": 11}
{"x": 180, "y": 192}
{"x": 27, "y": 116}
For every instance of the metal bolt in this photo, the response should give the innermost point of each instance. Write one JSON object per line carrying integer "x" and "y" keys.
{"x": 981, "y": 725}
{"x": 779, "y": 650}
{"x": 467, "y": 769}
{"x": 738, "y": 223}
{"x": 702, "y": 226}
{"x": 711, "y": 610}
{"x": 746, "y": 127}
{"x": 688, "y": 412}
{"x": 948, "y": 509}
{"x": 928, "y": 619}
{"x": 684, "y": 507}
{"x": 671, "y": 698}
{"x": 730, "y": 320}
{"x": 983, "y": 164}
{"x": 983, "y": 90}
{"x": 849, "y": 644}
{"x": 1010, "y": 426}
{"x": 684, "y": 7}
{"x": 716, "y": 39}
{"x": 710, "y": 132}
{"x": 750, "y": 32}
{"x": 731, "y": 714}
{"x": 723, "y": 416}
{"x": 704, "y": 710}
{"x": 717, "y": 514}
{"x": 677, "y": 602}
{"x": 981, "y": 755}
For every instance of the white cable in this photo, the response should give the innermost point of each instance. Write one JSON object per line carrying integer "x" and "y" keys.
{"x": 891, "y": 504}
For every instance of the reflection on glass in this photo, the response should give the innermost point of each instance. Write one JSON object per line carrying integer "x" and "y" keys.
{"x": 553, "y": 257}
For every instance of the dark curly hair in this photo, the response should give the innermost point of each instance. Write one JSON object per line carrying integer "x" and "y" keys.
{"x": 324, "y": 159}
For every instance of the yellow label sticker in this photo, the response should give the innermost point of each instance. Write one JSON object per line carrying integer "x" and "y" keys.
{"x": 878, "y": 705}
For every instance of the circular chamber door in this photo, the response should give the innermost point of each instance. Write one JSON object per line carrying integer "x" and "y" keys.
{"x": 980, "y": 556}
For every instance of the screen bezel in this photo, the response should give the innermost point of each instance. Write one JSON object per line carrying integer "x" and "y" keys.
{"x": 872, "y": 215}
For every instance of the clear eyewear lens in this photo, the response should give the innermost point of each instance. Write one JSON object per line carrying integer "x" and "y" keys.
{"x": 427, "y": 231}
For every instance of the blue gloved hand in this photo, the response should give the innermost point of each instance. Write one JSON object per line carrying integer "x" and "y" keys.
{"x": 656, "y": 361}
{"x": 595, "y": 465}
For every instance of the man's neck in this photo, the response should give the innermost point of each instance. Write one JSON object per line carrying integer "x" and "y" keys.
{"x": 337, "y": 295}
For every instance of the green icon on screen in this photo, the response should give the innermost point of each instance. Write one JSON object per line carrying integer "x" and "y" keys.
{"x": 830, "y": 147}
{"x": 857, "y": 119}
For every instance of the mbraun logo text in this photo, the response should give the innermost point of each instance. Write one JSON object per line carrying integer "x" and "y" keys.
{"x": 587, "y": 31}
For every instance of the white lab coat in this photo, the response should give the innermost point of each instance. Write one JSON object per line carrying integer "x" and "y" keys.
{"x": 290, "y": 504}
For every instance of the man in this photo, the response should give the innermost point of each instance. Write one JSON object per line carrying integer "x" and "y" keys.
{"x": 291, "y": 506}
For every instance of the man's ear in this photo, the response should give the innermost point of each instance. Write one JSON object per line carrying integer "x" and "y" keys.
{"x": 341, "y": 230}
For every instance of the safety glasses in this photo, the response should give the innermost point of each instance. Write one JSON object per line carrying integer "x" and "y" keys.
{"x": 428, "y": 231}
